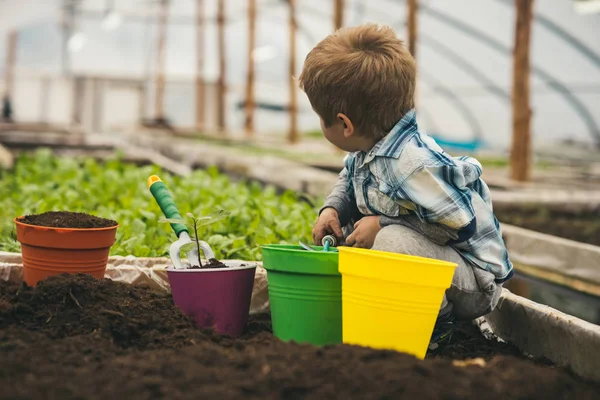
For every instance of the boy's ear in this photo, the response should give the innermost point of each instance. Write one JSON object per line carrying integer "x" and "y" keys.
{"x": 348, "y": 125}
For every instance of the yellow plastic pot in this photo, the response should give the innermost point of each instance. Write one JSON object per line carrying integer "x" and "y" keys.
{"x": 389, "y": 300}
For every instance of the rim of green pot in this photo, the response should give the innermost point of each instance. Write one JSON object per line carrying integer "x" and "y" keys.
{"x": 294, "y": 259}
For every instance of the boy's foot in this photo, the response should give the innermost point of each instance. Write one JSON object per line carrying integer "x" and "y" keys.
{"x": 442, "y": 331}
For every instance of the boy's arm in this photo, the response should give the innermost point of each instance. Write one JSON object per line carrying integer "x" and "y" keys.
{"x": 442, "y": 201}
{"x": 341, "y": 199}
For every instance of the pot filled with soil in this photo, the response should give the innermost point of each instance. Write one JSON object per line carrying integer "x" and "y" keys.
{"x": 391, "y": 301}
{"x": 216, "y": 295}
{"x": 59, "y": 242}
{"x": 305, "y": 294}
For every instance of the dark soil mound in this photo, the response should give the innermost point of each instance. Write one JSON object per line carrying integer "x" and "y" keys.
{"x": 58, "y": 341}
{"x": 468, "y": 342}
{"x": 69, "y": 305}
{"x": 66, "y": 219}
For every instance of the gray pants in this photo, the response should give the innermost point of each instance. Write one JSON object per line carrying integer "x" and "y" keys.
{"x": 473, "y": 292}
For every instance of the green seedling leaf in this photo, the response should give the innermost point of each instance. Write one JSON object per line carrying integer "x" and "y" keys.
{"x": 188, "y": 247}
{"x": 212, "y": 217}
{"x": 190, "y": 215}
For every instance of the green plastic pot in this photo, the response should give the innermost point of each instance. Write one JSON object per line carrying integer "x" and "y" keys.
{"x": 305, "y": 293}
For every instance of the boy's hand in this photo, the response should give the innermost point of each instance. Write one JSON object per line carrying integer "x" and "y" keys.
{"x": 328, "y": 224}
{"x": 364, "y": 233}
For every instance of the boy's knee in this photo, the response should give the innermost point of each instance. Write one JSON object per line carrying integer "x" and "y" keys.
{"x": 397, "y": 239}
{"x": 474, "y": 292}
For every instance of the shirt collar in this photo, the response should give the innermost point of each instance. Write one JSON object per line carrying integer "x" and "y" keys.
{"x": 391, "y": 144}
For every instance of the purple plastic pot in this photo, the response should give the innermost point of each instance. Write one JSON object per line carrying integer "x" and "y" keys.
{"x": 215, "y": 298}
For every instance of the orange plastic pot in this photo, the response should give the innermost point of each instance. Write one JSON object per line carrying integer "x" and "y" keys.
{"x": 53, "y": 251}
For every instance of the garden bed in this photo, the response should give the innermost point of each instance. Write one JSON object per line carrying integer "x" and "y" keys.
{"x": 41, "y": 182}
{"x": 76, "y": 337}
{"x": 582, "y": 225}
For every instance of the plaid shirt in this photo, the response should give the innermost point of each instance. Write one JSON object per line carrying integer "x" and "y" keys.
{"x": 407, "y": 175}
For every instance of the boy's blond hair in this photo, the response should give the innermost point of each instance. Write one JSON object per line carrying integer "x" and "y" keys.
{"x": 364, "y": 72}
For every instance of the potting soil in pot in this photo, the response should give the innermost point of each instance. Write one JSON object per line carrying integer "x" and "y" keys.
{"x": 77, "y": 337}
{"x": 66, "y": 219}
{"x": 212, "y": 263}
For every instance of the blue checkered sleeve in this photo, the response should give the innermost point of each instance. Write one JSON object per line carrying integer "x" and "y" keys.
{"x": 438, "y": 196}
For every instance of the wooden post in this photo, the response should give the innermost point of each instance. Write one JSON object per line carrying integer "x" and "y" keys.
{"x": 338, "y": 14}
{"x": 141, "y": 90}
{"x": 338, "y": 22}
{"x": 413, "y": 6}
{"x": 200, "y": 89}
{"x": 98, "y": 101}
{"x": 250, "y": 103}
{"x": 45, "y": 99}
{"x": 159, "y": 110}
{"x": 221, "y": 86}
{"x": 412, "y": 24}
{"x": 78, "y": 99}
{"x": 6, "y": 103}
{"x": 293, "y": 133}
{"x": 520, "y": 157}
{"x": 10, "y": 61}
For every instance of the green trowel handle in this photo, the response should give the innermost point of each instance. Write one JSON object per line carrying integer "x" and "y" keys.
{"x": 165, "y": 202}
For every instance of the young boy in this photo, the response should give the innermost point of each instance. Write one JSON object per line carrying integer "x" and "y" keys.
{"x": 399, "y": 191}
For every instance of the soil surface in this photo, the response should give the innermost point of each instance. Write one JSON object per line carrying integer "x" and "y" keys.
{"x": 212, "y": 263}
{"x": 582, "y": 226}
{"x": 66, "y": 219}
{"x": 74, "y": 337}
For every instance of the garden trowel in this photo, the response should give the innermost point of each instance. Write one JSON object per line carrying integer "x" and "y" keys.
{"x": 167, "y": 205}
